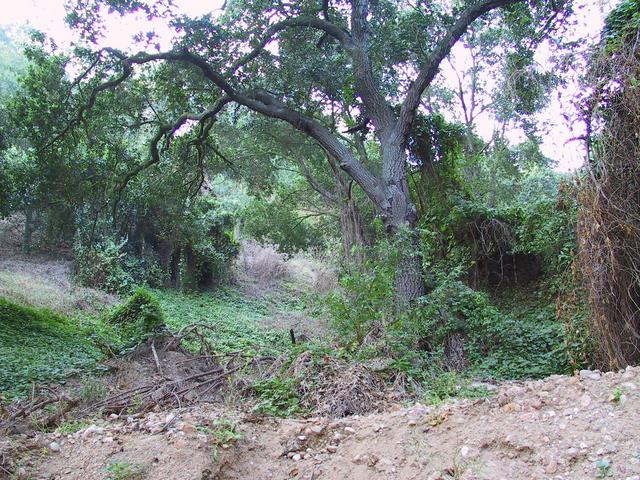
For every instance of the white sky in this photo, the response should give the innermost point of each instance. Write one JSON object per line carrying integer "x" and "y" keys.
{"x": 48, "y": 16}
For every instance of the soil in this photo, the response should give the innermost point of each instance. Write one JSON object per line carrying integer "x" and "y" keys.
{"x": 581, "y": 427}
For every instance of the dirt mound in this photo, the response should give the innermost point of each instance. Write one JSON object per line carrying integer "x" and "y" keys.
{"x": 578, "y": 427}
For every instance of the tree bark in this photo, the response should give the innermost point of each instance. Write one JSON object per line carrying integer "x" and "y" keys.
{"x": 401, "y": 217}
{"x": 353, "y": 236}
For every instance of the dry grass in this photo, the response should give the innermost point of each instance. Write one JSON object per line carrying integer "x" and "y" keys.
{"x": 260, "y": 265}
{"x": 609, "y": 215}
{"x": 313, "y": 271}
{"x": 47, "y": 284}
{"x": 261, "y": 268}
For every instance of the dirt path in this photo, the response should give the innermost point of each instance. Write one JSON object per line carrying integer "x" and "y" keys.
{"x": 581, "y": 427}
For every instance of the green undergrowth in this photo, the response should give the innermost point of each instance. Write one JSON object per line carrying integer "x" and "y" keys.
{"x": 37, "y": 345}
{"x": 531, "y": 338}
{"x": 236, "y": 320}
{"x": 40, "y": 346}
{"x": 138, "y": 318}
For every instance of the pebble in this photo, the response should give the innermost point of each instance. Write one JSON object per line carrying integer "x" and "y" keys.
{"x": 551, "y": 468}
{"x": 54, "y": 446}
{"x": 188, "y": 428}
{"x": 510, "y": 407}
{"x": 332, "y": 448}
{"x": 92, "y": 430}
{"x": 368, "y": 459}
{"x": 585, "y": 400}
{"x": 589, "y": 374}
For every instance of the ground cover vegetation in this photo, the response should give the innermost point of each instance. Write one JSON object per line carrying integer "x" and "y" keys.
{"x": 456, "y": 258}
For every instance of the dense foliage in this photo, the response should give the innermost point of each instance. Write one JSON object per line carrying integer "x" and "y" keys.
{"x": 139, "y": 317}
{"x": 312, "y": 126}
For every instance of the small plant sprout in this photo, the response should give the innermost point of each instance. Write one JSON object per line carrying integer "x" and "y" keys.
{"x": 124, "y": 470}
{"x": 617, "y": 396}
{"x": 603, "y": 468}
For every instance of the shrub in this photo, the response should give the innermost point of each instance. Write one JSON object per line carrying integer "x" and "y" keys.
{"x": 138, "y": 318}
{"x": 102, "y": 266}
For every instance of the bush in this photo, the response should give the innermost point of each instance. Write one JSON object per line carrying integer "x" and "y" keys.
{"x": 101, "y": 266}
{"x": 138, "y": 318}
{"x": 108, "y": 266}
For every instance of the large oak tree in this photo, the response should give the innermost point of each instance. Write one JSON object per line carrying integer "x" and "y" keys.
{"x": 311, "y": 64}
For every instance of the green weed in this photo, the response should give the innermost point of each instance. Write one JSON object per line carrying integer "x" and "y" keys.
{"x": 92, "y": 389}
{"x": 277, "y": 397}
{"x": 72, "y": 426}
{"x": 603, "y": 469}
{"x": 124, "y": 470}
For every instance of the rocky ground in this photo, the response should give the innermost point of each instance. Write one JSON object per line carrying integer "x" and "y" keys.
{"x": 581, "y": 427}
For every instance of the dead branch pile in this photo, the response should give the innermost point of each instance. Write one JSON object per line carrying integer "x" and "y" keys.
{"x": 335, "y": 388}
{"x": 609, "y": 213}
{"x": 175, "y": 389}
{"x": 165, "y": 376}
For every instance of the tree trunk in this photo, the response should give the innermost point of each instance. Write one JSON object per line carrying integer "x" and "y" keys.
{"x": 28, "y": 229}
{"x": 410, "y": 279}
{"x": 353, "y": 237}
{"x": 400, "y": 217}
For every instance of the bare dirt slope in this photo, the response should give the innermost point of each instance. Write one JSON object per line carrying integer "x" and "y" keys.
{"x": 581, "y": 427}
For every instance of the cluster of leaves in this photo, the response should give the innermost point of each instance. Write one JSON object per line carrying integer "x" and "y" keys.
{"x": 622, "y": 23}
{"x": 277, "y": 396}
{"x": 274, "y": 221}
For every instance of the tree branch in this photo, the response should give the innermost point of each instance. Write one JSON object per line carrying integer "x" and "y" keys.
{"x": 165, "y": 131}
{"x": 302, "y": 21}
{"x": 375, "y": 103}
{"x": 262, "y": 103}
{"x": 430, "y": 68}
